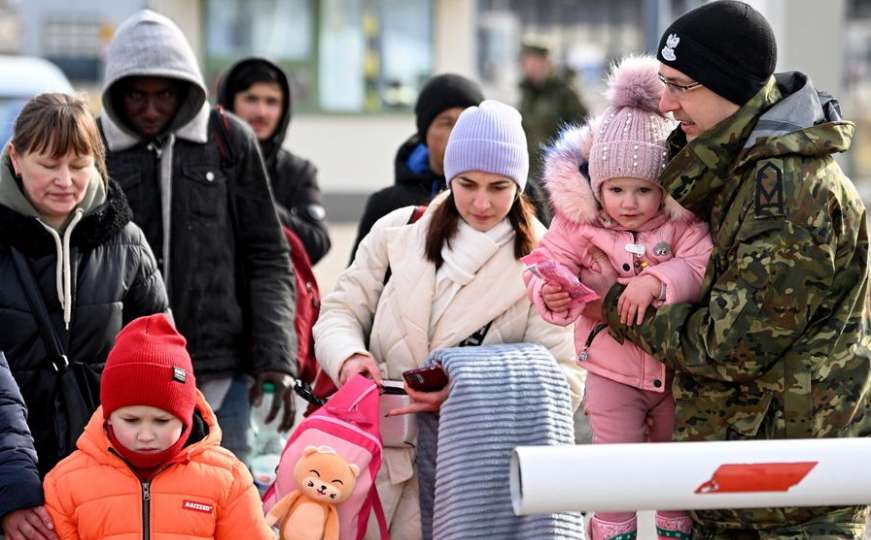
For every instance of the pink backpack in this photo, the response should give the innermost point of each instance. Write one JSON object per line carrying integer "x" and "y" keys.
{"x": 348, "y": 423}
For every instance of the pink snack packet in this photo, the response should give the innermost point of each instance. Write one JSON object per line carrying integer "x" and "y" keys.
{"x": 557, "y": 274}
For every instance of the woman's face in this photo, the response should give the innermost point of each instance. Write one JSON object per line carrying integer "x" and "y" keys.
{"x": 54, "y": 186}
{"x": 483, "y": 199}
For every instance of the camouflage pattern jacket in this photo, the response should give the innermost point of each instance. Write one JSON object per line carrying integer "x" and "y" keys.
{"x": 779, "y": 345}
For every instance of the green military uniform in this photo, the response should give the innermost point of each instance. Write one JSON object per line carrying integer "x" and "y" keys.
{"x": 546, "y": 108}
{"x": 779, "y": 345}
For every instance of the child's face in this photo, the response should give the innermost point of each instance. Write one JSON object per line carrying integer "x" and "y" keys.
{"x": 145, "y": 429}
{"x": 631, "y": 202}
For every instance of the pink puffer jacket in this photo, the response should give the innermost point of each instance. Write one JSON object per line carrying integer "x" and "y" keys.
{"x": 677, "y": 247}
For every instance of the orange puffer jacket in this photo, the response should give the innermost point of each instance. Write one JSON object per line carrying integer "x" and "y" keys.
{"x": 202, "y": 493}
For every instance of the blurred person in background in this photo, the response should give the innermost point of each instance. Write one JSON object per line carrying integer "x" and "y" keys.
{"x": 258, "y": 92}
{"x": 419, "y": 165}
{"x": 198, "y": 187}
{"x": 547, "y": 103}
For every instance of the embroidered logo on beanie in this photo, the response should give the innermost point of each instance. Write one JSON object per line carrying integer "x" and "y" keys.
{"x": 726, "y": 45}
{"x": 671, "y": 44}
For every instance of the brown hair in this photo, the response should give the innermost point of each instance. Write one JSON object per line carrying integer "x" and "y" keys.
{"x": 446, "y": 221}
{"x": 56, "y": 124}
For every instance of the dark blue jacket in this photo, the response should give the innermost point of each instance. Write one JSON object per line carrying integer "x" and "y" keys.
{"x": 20, "y": 486}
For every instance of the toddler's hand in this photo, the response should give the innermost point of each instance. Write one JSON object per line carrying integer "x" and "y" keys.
{"x": 555, "y": 298}
{"x": 640, "y": 292}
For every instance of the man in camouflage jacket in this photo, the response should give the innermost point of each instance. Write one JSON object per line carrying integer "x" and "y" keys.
{"x": 778, "y": 346}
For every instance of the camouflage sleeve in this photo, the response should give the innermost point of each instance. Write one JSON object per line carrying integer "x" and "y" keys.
{"x": 759, "y": 305}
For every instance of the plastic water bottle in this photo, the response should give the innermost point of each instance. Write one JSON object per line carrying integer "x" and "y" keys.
{"x": 268, "y": 442}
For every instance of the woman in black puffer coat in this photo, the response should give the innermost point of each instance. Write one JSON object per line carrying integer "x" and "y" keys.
{"x": 92, "y": 265}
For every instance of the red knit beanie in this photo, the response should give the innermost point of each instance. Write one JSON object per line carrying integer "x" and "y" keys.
{"x": 149, "y": 365}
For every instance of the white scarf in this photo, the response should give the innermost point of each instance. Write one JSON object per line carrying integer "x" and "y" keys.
{"x": 469, "y": 250}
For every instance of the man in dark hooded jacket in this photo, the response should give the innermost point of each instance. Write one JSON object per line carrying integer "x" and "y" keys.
{"x": 258, "y": 92}
{"x": 198, "y": 188}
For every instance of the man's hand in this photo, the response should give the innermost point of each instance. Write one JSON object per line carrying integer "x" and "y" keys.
{"x": 422, "y": 401}
{"x": 601, "y": 282}
{"x": 602, "y": 276}
{"x": 360, "y": 364}
{"x": 640, "y": 292}
{"x": 29, "y": 524}
{"x": 283, "y": 395}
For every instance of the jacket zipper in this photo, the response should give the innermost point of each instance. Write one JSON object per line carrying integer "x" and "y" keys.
{"x": 146, "y": 510}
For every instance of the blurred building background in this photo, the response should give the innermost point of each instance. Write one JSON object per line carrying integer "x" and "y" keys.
{"x": 357, "y": 65}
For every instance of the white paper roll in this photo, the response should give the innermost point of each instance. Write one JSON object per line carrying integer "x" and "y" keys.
{"x": 690, "y": 476}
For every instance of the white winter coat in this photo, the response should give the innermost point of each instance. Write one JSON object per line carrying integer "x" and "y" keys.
{"x": 398, "y": 334}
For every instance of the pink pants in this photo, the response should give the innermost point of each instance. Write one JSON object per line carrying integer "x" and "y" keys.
{"x": 620, "y": 413}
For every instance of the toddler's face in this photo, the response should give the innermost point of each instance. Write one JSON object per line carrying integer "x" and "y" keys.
{"x": 631, "y": 202}
{"x": 145, "y": 429}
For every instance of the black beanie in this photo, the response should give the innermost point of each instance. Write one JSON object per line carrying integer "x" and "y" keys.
{"x": 444, "y": 92}
{"x": 726, "y": 45}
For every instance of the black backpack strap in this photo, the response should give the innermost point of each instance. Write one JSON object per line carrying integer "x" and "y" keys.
{"x": 56, "y": 357}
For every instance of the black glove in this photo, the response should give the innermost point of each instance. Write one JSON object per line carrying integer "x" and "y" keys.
{"x": 283, "y": 394}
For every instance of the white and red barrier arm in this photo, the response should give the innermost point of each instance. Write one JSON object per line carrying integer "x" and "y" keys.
{"x": 691, "y": 476}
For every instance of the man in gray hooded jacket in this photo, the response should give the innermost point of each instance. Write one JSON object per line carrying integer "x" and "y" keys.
{"x": 198, "y": 188}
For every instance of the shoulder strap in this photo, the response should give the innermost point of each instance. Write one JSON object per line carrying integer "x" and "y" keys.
{"x": 57, "y": 359}
{"x": 222, "y": 137}
{"x": 379, "y": 512}
{"x": 416, "y": 214}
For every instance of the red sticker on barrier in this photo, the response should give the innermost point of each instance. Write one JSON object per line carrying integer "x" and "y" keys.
{"x": 755, "y": 477}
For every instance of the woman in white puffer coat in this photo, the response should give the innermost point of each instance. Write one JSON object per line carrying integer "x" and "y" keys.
{"x": 453, "y": 277}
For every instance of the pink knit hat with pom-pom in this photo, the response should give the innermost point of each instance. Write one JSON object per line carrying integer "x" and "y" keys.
{"x": 628, "y": 140}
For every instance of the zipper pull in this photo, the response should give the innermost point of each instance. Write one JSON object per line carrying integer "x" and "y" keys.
{"x": 146, "y": 491}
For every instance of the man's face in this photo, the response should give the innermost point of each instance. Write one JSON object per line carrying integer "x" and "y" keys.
{"x": 535, "y": 67}
{"x": 150, "y": 104}
{"x": 261, "y": 106}
{"x": 437, "y": 137}
{"x": 698, "y": 109}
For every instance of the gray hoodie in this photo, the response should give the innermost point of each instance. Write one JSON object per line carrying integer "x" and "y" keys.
{"x": 149, "y": 44}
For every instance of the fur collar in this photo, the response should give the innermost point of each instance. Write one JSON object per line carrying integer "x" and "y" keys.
{"x": 565, "y": 174}
{"x": 95, "y": 229}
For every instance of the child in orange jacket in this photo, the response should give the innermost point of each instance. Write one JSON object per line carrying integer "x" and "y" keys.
{"x": 149, "y": 464}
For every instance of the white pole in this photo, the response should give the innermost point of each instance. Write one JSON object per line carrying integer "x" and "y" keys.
{"x": 690, "y": 476}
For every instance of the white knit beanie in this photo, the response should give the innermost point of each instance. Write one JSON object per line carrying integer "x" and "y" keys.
{"x": 488, "y": 138}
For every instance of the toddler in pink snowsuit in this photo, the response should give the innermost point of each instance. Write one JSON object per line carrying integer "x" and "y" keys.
{"x": 611, "y": 215}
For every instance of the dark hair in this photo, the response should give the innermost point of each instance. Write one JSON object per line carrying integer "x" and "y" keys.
{"x": 56, "y": 124}
{"x": 446, "y": 221}
{"x": 252, "y": 73}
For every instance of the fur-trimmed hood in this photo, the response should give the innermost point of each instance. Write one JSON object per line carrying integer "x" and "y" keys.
{"x": 566, "y": 175}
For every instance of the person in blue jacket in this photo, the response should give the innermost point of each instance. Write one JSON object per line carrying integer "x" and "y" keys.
{"x": 22, "y": 514}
